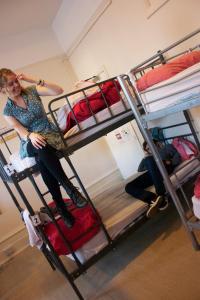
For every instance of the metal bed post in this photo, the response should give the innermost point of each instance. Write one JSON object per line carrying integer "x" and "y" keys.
{"x": 67, "y": 243}
{"x": 13, "y": 196}
{"x": 143, "y": 127}
{"x": 56, "y": 259}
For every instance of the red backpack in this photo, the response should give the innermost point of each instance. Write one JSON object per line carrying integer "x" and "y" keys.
{"x": 197, "y": 187}
{"x": 185, "y": 148}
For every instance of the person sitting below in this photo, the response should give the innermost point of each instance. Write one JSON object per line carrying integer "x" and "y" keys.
{"x": 152, "y": 176}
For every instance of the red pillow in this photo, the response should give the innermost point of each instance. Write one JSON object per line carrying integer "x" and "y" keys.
{"x": 168, "y": 70}
{"x": 197, "y": 187}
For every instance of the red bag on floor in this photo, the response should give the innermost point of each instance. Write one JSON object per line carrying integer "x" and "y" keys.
{"x": 197, "y": 187}
{"x": 85, "y": 218}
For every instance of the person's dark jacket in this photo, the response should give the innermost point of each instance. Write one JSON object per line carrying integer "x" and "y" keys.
{"x": 167, "y": 153}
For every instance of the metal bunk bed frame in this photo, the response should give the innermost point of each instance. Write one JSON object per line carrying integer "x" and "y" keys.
{"x": 188, "y": 219}
{"x": 72, "y": 145}
{"x": 12, "y": 177}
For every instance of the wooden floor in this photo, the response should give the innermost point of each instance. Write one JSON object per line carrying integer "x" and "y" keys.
{"x": 156, "y": 262}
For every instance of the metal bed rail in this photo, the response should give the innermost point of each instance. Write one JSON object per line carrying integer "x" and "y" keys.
{"x": 161, "y": 52}
{"x": 96, "y": 128}
{"x": 155, "y": 61}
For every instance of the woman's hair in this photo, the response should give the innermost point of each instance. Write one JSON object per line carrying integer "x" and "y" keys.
{"x": 4, "y": 73}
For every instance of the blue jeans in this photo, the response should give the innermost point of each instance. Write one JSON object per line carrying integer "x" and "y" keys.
{"x": 152, "y": 176}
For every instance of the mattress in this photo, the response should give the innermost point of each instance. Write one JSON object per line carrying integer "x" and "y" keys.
{"x": 101, "y": 116}
{"x": 115, "y": 225}
{"x": 184, "y": 171}
{"x": 177, "y": 89}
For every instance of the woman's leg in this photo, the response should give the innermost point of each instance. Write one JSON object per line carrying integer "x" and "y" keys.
{"x": 54, "y": 190}
{"x": 136, "y": 188}
{"x": 155, "y": 174}
{"x": 52, "y": 163}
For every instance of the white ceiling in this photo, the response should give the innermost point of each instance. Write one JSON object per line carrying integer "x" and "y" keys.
{"x": 18, "y": 16}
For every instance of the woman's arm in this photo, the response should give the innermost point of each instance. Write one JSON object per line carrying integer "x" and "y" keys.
{"x": 44, "y": 88}
{"x": 36, "y": 139}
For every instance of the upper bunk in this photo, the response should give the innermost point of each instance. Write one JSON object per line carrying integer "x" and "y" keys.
{"x": 91, "y": 112}
{"x": 169, "y": 81}
{"x": 81, "y": 117}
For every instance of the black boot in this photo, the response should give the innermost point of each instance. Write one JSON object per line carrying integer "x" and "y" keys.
{"x": 77, "y": 198}
{"x": 67, "y": 217}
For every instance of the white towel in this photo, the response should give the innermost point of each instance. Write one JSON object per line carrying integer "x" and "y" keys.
{"x": 34, "y": 238}
{"x": 196, "y": 206}
{"x": 21, "y": 164}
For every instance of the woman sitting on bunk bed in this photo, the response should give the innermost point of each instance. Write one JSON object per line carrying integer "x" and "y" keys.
{"x": 24, "y": 111}
{"x": 136, "y": 188}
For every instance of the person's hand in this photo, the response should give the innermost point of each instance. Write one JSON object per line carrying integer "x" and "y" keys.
{"x": 168, "y": 162}
{"x": 24, "y": 77}
{"x": 37, "y": 140}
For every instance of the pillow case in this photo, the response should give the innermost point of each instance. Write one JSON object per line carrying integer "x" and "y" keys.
{"x": 168, "y": 70}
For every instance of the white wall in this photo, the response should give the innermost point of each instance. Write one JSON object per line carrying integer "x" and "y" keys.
{"x": 72, "y": 18}
{"x": 28, "y": 48}
{"x": 124, "y": 37}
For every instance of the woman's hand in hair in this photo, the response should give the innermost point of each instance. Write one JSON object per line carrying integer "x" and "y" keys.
{"x": 26, "y": 78}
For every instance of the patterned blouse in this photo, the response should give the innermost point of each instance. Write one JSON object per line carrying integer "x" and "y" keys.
{"x": 34, "y": 119}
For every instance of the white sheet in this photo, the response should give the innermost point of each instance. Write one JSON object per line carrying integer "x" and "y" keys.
{"x": 185, "y": 83}
{"x": 115, "y": 225}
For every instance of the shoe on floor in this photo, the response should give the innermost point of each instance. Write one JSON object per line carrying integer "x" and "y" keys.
{"x": 68, "y": 218}
{"x": 164, "y": 205}
{"x": 154, "y": 207}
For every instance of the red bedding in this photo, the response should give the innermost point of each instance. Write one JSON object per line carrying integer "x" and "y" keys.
{"x": 85, "y": 219}
{"x": 96, "y": 101}
{"x": 168, "y": 70}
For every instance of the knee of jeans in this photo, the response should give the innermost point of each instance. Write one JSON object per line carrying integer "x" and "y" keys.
{"x": 149, "y": 158}
{"x": 128, "y": 188}
{"x": 43, "y": 149}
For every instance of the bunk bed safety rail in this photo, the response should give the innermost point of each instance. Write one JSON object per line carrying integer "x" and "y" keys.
{"x": 94, "y": 106}
{"x": 161, "y": 52}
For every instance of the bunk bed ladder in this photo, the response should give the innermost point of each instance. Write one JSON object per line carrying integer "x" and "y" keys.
{"x": 49, "y": 253}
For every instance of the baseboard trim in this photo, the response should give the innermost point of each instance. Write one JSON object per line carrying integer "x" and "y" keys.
{"x": 18, "y": 241}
